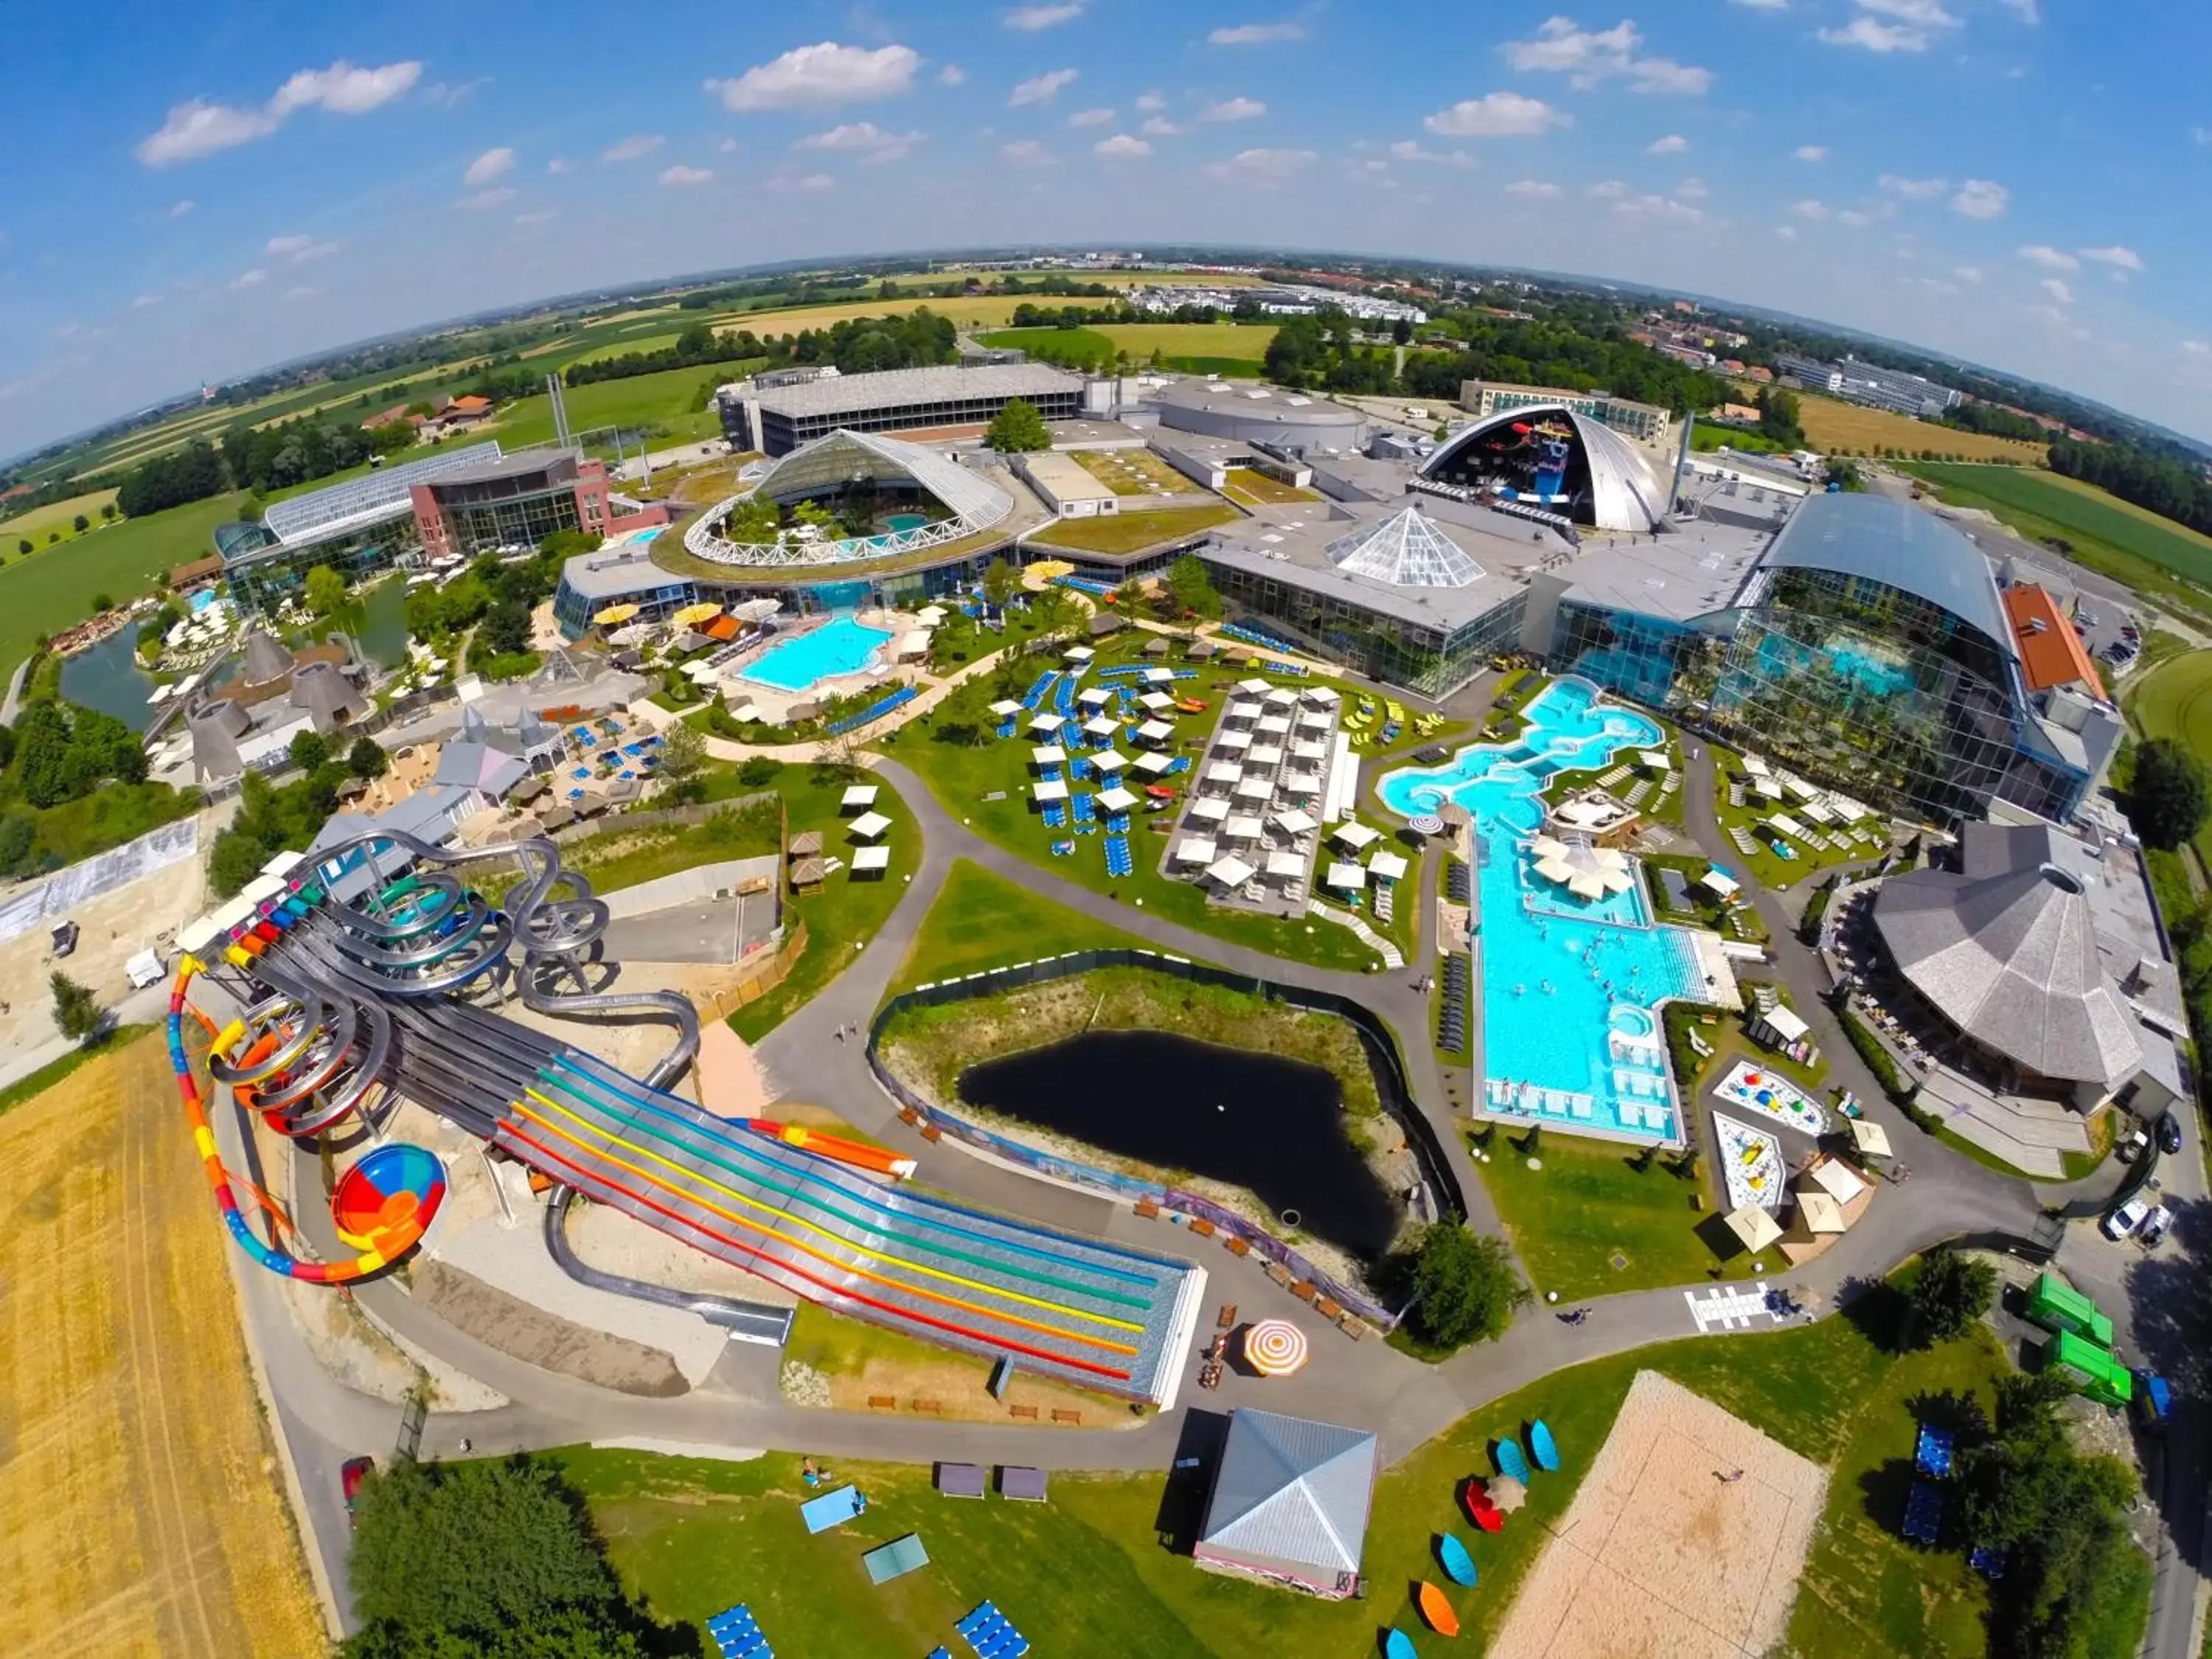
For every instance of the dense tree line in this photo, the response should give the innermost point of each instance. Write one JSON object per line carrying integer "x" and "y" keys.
{"x": 697, "y": 345}
{"x": 190, "y": 474}
{"x": 63, "y": 753}
{"x": 1322, "y": 351}
{"x": 1995, "y": 421}
{"x": 2166, "y": 487}
{"x": 1580, "y": 354}
{"x": 298, "y": 452}
{"x": 859, "y": 345}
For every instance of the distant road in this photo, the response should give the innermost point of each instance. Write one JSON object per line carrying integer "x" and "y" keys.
{"x": 15, "y": 692}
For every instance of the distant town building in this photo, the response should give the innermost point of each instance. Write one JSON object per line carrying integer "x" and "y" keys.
{"x": 776, "y": 416}
{"x": 1645, "y": 423}
{"x": 1871, "y": 385}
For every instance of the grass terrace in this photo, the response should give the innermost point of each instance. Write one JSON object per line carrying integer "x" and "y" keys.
{"x": 1132, "y": 472}
{"x": 982, "y": 920}
{"x": 1131, "y": 533}
{"x": 1596, "y": 1219}
{"x": 1250, "y": 488}
{"x": 1764, "y": 865}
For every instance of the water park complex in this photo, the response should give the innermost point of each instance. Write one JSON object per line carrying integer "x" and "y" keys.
{"x": 1541, "y": 803}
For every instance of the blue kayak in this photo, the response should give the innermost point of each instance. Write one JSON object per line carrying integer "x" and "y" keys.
{"x": 1396, "y": 1644}
{"x": 1540, "y": 1447}
{"x": 1509, "y": 1461}
{"x": 1456, "y": 1561}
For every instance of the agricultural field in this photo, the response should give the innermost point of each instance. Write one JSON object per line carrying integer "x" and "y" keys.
{"x": 1831, "y": 425}
{"x": 139, "y": 1509}
{"x": 2174, "y": 700}
{"x": 2101, "y": 531}
{"x": 1196, "y": 347}
{"x": 42, "y": 521}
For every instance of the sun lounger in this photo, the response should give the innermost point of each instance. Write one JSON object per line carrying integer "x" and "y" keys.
{"x": 1542, "y": 1446}
{"x": 1511, "y": 1462}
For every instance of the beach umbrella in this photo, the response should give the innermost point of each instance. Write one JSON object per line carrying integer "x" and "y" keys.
{"x": 1045, "y": 569}
{"x": 614, "y": 616}
{"x": 1275, "y": 1347}
{"x": 692, "y": 615}
{"x": 756, "y": 611}
{"x": 1507, "y": 1493}
{"x": 1555, "y": 868}
{"x": 1425, "y": 823}
{"x": 1549, "y": 847}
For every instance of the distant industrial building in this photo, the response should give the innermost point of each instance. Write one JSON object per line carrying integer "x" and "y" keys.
{"x": 1647, "y": 423}
{"x": 777, "y": 418}
{"x": 1294, "y": 423}
{"x": 1872, "y": 385}
{"x": 1066, "y": 485}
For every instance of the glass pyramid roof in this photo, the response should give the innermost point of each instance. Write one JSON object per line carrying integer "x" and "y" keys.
{"x": 1407, "y": 551}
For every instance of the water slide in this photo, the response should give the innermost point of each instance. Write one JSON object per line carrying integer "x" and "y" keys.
{"x": 377, "y": 974}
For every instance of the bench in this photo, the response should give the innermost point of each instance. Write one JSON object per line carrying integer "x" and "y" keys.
{"x": 883, "y": 1402}
{"x": 1304, "y": 1290}
{"x": 1237, "y": 1246}
{"x": 928, "y": 1407}
{"x": 1226, "y": 1318}
{"x": 1061, "y": 1415}
{"x": 1147, "y": 1209}
{"x": 1025, "y": 1412}
{"x": 1201, "y": 1226}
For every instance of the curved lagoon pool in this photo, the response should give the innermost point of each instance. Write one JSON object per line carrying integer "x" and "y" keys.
{"x": 840, "y": 645}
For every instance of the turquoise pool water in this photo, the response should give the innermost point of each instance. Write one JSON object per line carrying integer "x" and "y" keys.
{"x": 1569, "y": 985}
{"x": 840, "y": 645}
{"x": 897, "y": 523}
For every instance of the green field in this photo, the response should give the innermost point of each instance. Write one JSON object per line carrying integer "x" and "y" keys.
{"x": 1587, "y": 1205}
{"x": 1102, "y": 1571}
{"x": 2174, "y": 700}
{"x": 36, "y": 524}
{"x": 1195, "y": 348}
{"x": 982, "y": 920}
{"x": 1125, "y": 532}
{"x": 2103, "y": 532}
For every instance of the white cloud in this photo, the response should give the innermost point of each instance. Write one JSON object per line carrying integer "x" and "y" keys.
{"x": 1913, "y": 190}
{"x": 1929, "y": 14}
{"x": 1121, "y": 148}
{"x": 1785, "y": 233}
{"x": 1763, "y": 5}
{"x": 1606, "y": 190}
{"x": 145, "y": 302}
{"x": 1980, "y": 198}
{"x": 179, "y": 209}
{"x": 862, "y": 138}
{"x": 1040, "y": 88}
{"x": 453, "y": 95}
{"x": 825, "y": 73}
{"x": 246, "y": 279}
{"x": 1933, "y": 284}
{"x": 1033, "y": 18}
{"x": 1410, "y": 150}
{"x": 679, "y": 175}
{"x": 635, "y": 147}
{"x": 1267, "y": 166}
{"x": 1693, "y": 189}
{"x": 1257, "y": 34}
{"x": 1150, "y": 101}
{"x": 2056, "y": 288}
{"x": 1659, "y": 206}
{"x": 2050, "y": 259}
{"x": 1810, "y": 152}
{"x": 1497, "y": 115}
{"x": 302, "y": 293}
{"x": 298, "y": 250}
{"x": 2058, "y": 319}
{"x": 1967, "y": 273}
{"x": 786, "y": 184}
{"x": 951, "y": 76}
{"x": 537, "y": 217}
{"x": 1160, "y": 127}
{"x": 559, "y": 164}
{"x": 1588, "y": 57}
{"x": 2197, "y": 348}
{"x": 2200, "y": 135}
{"x": 497, "y": 197}
{"x": 1672, "y": 144}
{"x": 2118, "y": 258}
{"x": 1027, "y": 153}
{"x": 197, "y": 127}
{"x": 2029, "y": 11}
{"x": 1858, "y": 218}
{"x": 1233, "y": 109}
{"x": 1542, "y": 189}
{"x": 1875, "y": 35}
{"x": 1810, "y": 208}
{"x": 728, "y": 147}
{"x": 489, "y": 165}
{"x": 1090, "y": 118}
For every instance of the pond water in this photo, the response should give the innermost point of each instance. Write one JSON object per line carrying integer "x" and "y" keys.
{"x": 378, "y": 621}
{"x": 1259, "y": 1121}
{"x": 108, "y": 677}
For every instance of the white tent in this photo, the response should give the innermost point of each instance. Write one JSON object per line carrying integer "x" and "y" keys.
{"x": 1293, "y": 822}
{"x": 1243, "y": 711}
{"x": 1234, "y": 741}
{"x": 1281, "y": 697}
{"x": 1386, "y": 867}
{"x": 1005, "y": 706}
{"x": 1720, "y": 881}
{"x": 1243, "y": 827}
{"x": 1311, "y": 753}
{"x": 1766, "y": 788}
{"x": 1196, "y": 849}
{"x": 1158, "y": 675}
{"x": 1254, "y": 789}
{"x": 1101, "y": 727}
{"x": 1153, "y": 763}
{"x": 1787, "y": 825}
{"x": 1106, "y": 760}
{"x": 1754, "y": 765}
{"x": 860, "y": 795}
{"x": 1231, "y": 873}
{"x": 1354, "y": 835}
{"x": 1313, "y": 719}
{"x": 1322, "y": 695}
{"x": 1046, "y": 723}
{"x": 1223, "y": 772}
{"x": 1302, "y": 783}
{"x": 1266, "y": 755}
{"x": 1870, "y": 1137}
{"x": 914, "y": 644}
{"x": 1049, "y": 754}
{"x": 872, "y": 858}
{"x": 930, "y": 614}
{"x": 745, "y": 710}
{"x": 1051, "y": 790}
{"x": 1081, "y": 653}
{"x": 1116, "y": 799}
{"x": 1155, "y": 732}
{"x": 1156, "y": 700}
{"x": 1754, "y": 1228}
{"x": 1283, "y": 866}
{"x": 1348, "y": 876}
{"x": 1274, "y": 725}
{"x": 1093, "y": 697}
{"x": 1784, "y": 1022}
{"x": 1255, "y": 685}
{"x": 869, "y": 825}
{"x": 1209, "y": 810}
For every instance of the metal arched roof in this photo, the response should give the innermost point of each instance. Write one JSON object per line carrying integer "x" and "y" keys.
{"x": 1896, "y": 544}
{"x": 1626, "y": 494}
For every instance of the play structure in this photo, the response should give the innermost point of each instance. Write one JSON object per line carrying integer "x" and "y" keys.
{"x": 379, "y": 975}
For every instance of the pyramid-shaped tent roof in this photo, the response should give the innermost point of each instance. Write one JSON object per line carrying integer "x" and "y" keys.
{"x": 1292, "y": 1495}
{"x": 1406, "y": 550}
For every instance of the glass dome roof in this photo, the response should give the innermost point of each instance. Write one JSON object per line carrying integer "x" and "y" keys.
{"x": 1407, "y": 551}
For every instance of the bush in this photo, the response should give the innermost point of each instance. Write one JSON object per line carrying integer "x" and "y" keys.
{"x": 760, "y": 771}
{"x": 2167, "y": 799}
{"x": 310, "y": 751}
{"x": 519, "y": 666}
{"x": 366, "y": 758}
{"x": 1464, "y": 1285}
{"x": 77, "y": 1010}
{"x": 1876, "y": 1057}
{"x": 1951, "y": 1293}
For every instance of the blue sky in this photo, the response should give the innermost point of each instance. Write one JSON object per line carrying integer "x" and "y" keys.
{"x": 198, "y": 193}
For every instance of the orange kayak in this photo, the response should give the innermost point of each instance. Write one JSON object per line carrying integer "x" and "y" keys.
{"x": 1437, "y": 1611}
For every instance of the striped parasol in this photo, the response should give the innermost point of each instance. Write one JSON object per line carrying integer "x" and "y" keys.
{"x": 1275, "y": 1347}
{"x": 1425, "y": 823}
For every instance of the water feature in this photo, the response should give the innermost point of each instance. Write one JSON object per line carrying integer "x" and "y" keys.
{"x": 1273, "y": 1126}
{"x": 840, "y": 645}
{"x": 108, "y": 677}
{"x": 1568, "y": 983}
{"x": 377, "y": 619}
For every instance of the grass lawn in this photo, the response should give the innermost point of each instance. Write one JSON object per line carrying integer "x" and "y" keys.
{"x": 1225, "y": 348}
{"x": 1831, "y": 424}
{"x": 1245, "y": 483}
{"x": 1764, "y": 866}
{"x": 862, "y": 1362}
{"x": 962, "y": 777}
{"x": 1587, "y": 1205}
{"x": 1132, "y": 472}
{"x": 1092, "y": 1574}
{"x": 982, "y": 920}
{"x": 55, "y": 515}
{"x": 1743, "y": 440}
{"x": 2100, "y": 530}
{"x": 1125, "y": 532}
{"x": 2174, "y": 700}
{"x": 53, "y": 588}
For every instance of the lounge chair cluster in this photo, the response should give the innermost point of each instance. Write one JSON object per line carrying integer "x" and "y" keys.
{"x": 1451, "y": 1018}
{"x": 737, "y": 1636}
{"x": 1487, "y": 1502}
{"x": 987, "y": 1631}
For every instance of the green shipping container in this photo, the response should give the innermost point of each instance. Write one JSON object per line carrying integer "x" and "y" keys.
{"x": 2092, "y": 1371}
{"x": 2057, "y": 1306}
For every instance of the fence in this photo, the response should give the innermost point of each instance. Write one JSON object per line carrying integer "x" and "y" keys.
{"x": 54, "y": 897}
{"x": 1383, "y": 1057}
{"x": 765, "y": 973}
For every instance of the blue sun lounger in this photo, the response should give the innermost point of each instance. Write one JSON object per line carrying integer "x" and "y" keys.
{"x": 737, "y": 1636}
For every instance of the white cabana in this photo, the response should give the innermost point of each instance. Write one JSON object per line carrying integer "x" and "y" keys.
{"x": 1588, "y": 872}
{"x": 1226, "y": 773}
{"x": 1094, "y": 697}
{"x": 913, "y": 644}
{"x": 869, "y": 825}
{"x": 1285, "y": 865}
{"x": 1255, "y": 685}
{"x": 1311, "y": 752}
{"x": 1754, "y": 1228}
{"x": 1116, "y": 799}
{"x": 859, "y": 795}
{"x": 1047, "y": 724}
{"x": 1155, "y": 732}
{"x": 1243, "y": 711}
{"x": 1346, "y": 877}
{"x": 1313, "y": 719}
{"x": 1154, "y": 765}
{"x": 1235, "y": 742}
{"x": 1784, "y": 1022}
{"x": 1155, "y": 700}
{"x": 1101, "y": 726}
{"x": 1281, "y": 697}
{"x": 1302, "y": 783}
{"x": 872, "y": 858}
{"x": 1547, "y": 847}
{"x": 1005, "y": 708}
{"x": 1159, "y": 677}
{"x": 1081, "y": 653}
{"x": 1231, "y": 873}
{"x": 697, "y": 672}
{"x": 1386, "y": 867}
{"x": 1050, "y": 790}
{"x": 745, "y": 711}
{"x": 930, "y": 614}
{"x": 1196, "y": 849}
{"x": 1049, "y": 754}
{"x": 1754, "y": 765}
{"x": 1766, "y": 788}
{"x": 1265, "y": 754}
{"x": 1836, "y": 1178}
{"x": 1243, "y": 827}
{"x": 1354, "y": 835}
{"x": 1255, "y": 789}
{"x": 1209, "y": 809}
{"x": 1783, "y": 822}
{"x": 1871, "y": 1139}
{"x": 1106, "y": 760}
{"x": 1321, "y": 693}
{"x": 1274, "y": 725}
{"x": 1655, "y": 760}
{"x": 1292, "y": 821}
{"x": 1720, "y": 882}
{"x": 1819, "y": 811}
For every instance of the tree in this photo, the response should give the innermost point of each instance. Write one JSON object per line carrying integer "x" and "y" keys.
{"x": 77, "y": 1011}
{"x": 1952, "y": 1292}
{"x": 53, "y": 537}
{"x": 23, "y": 545}
{"x": 309, "y": 750}
{"x": 1000, "y": 583}
{"x": 103, "y": 602}
{"x": 1465, "y": 1288}
{"x": 107, "y": 511}
{"x": 1402, "y": 330}
{"x": 81, "y": 524}
{"x": 504, "y": 629}
{"x": 1192, "y": 588}
{"x": 325, "y": 590}
{"x": 366, "y": 758}
{"x": 1017, "y": 427}
{"x": 2166, "y": 801}
{"x": 682, "y": 753}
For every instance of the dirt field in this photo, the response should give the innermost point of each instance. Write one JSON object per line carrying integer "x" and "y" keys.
{"x": 1668, "y": 1552}
{"x": 139, "y": 1507}
{"x": 1833, "y": 425}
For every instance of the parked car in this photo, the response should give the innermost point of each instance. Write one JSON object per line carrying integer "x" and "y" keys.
{"x": 2134, "y": 1146}
{"x": 2123, "y": 1221}
{"x": 64, "y": 938}
{"x": 2153, "y": 1227}
{"x": 2153, "y": 1400}
{"x": 2169, "y": 1134}
{"x": 351, "y": 1474}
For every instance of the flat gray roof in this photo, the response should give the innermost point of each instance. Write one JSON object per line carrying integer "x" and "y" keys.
{"x": 1685, "y": 572}
{"x": 507, "y": 467}
{"x": 616, "y": 573}
{"x": 894, "y": 388}
{"x": 1895, "y": 543}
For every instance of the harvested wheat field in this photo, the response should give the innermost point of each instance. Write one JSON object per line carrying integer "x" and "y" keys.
{"x": 139, "y": 1508}
{"x": 1667, "y": 1552}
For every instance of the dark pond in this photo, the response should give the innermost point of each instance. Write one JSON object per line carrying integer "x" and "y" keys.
{"x": 108, "y": 677}
{"x": 1274, "y": 1126}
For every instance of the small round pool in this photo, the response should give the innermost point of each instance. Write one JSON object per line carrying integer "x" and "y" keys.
{"x": 898, "y": 523}
{"x": 1632, "y": 1021}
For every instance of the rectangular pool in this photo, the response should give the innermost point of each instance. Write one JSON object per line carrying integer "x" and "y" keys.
{"x": 840, "y": 645}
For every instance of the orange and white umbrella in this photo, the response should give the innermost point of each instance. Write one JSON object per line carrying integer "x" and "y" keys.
{"x": 1275, "y": 1347}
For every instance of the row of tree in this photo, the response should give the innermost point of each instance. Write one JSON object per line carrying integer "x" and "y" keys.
{"x": 1995, "y": 421}
{"x": 2169, "y": 488}
{"x": 696, "y": 345}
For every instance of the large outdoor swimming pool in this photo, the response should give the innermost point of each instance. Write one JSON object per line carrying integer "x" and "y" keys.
{"x": 840, "y": 645}
{"x": 1569, "y": 985}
